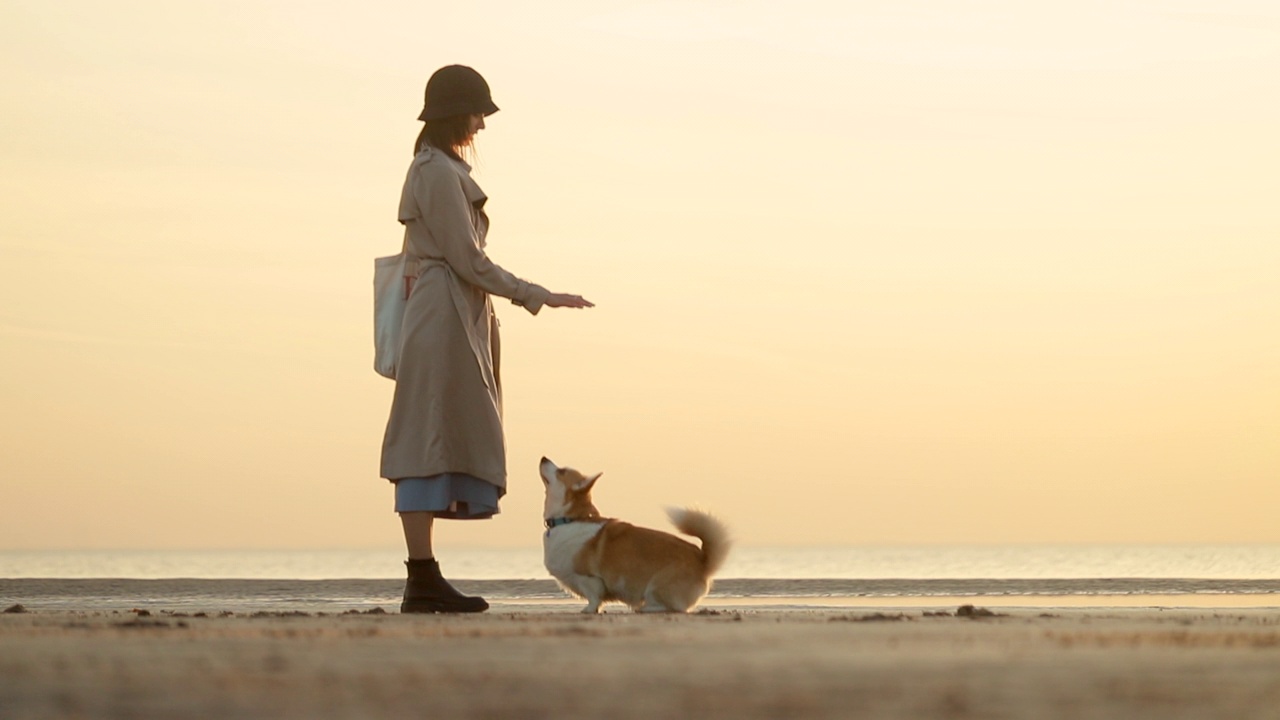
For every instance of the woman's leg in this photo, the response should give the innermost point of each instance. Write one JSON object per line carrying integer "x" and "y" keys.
{"x": 426, "y": 590}
{"x": 417, "y": 534}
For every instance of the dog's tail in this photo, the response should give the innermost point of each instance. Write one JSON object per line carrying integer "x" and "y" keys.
{"x": 713, "y": 534}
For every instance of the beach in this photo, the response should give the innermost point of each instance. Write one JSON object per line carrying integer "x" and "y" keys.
{"x": 547, "y": 661}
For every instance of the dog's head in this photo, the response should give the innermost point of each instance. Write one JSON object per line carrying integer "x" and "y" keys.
{"x": 568, "y": 492}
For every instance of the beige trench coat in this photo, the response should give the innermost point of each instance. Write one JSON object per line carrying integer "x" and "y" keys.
{"x": 446, "y": 415}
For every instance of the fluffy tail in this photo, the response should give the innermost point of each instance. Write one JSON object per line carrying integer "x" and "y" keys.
{"x": 713, "y": 534}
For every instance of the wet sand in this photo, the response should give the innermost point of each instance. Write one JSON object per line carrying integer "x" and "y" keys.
{"x": 723, "y": 663}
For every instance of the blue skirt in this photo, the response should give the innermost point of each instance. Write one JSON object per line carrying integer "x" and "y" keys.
{"x": 456, "y": 496}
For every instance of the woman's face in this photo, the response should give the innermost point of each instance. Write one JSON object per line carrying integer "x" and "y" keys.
{"x": 477, "y": 124}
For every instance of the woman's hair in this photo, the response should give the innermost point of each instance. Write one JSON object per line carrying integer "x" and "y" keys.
{"x": 451, "y": 134}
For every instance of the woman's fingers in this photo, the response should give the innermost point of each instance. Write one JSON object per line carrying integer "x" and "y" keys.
{"x": 571, "y": 301}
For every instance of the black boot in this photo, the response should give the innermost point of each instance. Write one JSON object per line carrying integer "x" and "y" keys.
{"x": 427, "y": 591}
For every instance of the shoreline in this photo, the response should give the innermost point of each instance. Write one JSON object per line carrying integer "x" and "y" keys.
{"x": 552, "y": 662}
{"x": 320, "y": 595}
{"x": 571, "y": 606}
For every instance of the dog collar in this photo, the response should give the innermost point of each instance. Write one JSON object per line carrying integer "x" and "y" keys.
{"x": 556, "y": 522}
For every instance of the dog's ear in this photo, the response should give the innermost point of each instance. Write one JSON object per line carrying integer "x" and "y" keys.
{"x": 590, "y": 482}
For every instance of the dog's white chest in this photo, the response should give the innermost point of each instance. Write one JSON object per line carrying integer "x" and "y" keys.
{"x": 561, "y": 544}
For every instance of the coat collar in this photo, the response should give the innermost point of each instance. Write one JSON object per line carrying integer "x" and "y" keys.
{"x": 470, "y": 188}
{"x": 432, "y": 150}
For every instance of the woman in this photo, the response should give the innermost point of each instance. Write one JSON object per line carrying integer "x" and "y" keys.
{"x": 444, "y": 447}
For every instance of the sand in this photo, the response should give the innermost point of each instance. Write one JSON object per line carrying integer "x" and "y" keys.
{"x": 517, "y": 662}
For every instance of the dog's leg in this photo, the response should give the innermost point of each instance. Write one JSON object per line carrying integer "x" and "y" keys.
{"x": 591, "y": 588}
{"x": 652, "y": 604}
{"x": 674, "y": 592}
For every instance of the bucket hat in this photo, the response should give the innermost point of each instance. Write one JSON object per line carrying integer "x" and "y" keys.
{"x": 456, "y": 90}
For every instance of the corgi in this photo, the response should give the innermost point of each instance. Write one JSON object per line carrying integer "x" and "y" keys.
{"x": 602, "y": 559}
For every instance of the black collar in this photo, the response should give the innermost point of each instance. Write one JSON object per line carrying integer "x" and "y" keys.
{"x": 555, "y": 522}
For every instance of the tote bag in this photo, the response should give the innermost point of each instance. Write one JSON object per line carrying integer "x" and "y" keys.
{"x": 389, "y": 298}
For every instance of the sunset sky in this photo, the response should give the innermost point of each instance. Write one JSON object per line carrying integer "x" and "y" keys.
{"x": 894, "y": 272}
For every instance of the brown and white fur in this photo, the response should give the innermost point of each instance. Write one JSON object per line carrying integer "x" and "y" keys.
{"x": 603, "y": 559}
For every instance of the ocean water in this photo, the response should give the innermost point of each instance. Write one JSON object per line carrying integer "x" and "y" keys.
{"x": 321, "y": 580}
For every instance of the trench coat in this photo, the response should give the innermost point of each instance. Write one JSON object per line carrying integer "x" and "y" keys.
{"x": 446, "y": 413}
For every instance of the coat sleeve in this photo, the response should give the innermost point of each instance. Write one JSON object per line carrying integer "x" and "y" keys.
{"x": 447, "y": 215}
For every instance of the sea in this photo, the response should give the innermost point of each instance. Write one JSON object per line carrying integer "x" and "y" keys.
{"x": 360, "y": 580}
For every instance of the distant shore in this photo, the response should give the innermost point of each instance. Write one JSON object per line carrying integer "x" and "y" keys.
{"x": 887, "y": 662}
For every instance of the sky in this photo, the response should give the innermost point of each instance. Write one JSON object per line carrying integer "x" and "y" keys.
{"x": 866, "y": 273}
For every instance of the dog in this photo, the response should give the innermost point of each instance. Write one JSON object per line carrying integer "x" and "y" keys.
{"x": 603, "y": 559}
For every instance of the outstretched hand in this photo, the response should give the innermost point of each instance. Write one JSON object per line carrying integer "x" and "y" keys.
{"x": 569, "y": 301}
